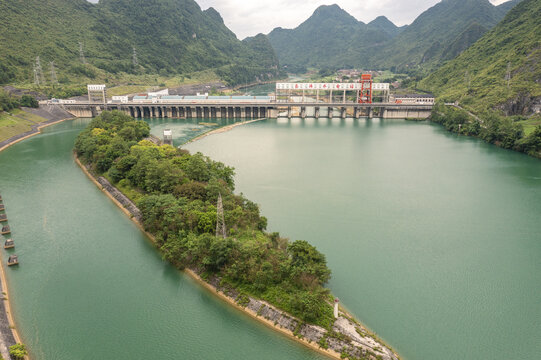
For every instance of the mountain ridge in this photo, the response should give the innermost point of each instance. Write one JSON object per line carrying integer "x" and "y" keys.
{"x": 169, "y": 37}
{"x": 380, "y": 43}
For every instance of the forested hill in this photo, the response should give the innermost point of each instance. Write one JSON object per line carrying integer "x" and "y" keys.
{"x": 340, "y": 41}
{"x": 329, "y": 38}
{"x": 169, "y": 36}
{"x": 501, "y": 71}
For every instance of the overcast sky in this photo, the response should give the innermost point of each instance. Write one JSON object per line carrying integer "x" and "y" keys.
{"x": 250, "y": 17}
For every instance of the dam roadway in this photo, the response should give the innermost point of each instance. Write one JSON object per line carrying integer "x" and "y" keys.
{"x": 215, "y": 109}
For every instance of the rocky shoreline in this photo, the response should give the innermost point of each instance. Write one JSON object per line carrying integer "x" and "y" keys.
{"x": 347, "y": 338}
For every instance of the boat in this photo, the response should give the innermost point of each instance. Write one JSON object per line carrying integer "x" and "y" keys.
{"x": 5, "y": 230}
{"x": 13, "y": 260}
{"x": 9, "y": 244}
{"x": 2, "y": 207}
{"x": 3, "y": 217}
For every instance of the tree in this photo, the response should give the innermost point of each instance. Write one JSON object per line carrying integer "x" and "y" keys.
{"x": 306, "y": 260}
{"x": 18, "y": 351}
{"x": 29, "y": 101}
{"x": 531, "y": 144}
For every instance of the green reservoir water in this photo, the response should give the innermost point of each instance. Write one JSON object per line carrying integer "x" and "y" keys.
{"x": 89, "y": 284}
{"x": 434, "y": 241}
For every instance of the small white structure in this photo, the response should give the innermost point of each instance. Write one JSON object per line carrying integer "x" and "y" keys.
{"x": 168, "y": 137}
{"x": 120, "y": 99}
{"x": 336, "y": 301}
{"x": 164, "y": 92}
{"x": 413, "y": 99}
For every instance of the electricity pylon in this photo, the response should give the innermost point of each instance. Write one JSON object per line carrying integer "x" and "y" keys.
{"x": 220, "y": 222}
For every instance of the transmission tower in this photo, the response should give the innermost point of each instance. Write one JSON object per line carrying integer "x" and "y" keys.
{"x": 220, "y": 222}
{"x": 39, "y": 71}
{"x": 467, "y": 79}
{"x": 36, "y": 77}
{"x": 54, "y": 80}
{"x": 134, "y": 58}
{"x": 508, "y": 73}
{"x": 82, "y": 53}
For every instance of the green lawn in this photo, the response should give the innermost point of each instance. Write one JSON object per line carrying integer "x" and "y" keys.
{"x": 530, "y": 124}
{"x": 16, "y": 122}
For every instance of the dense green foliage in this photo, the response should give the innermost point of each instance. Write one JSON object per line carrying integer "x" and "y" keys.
{"x": 8, "y": 102}
{"x": 425, "y": 41}
{"x": 177, "y": 194}
{"x": 170, "y": 37}
{"x": 499, "y": 79}
{"x": 18, "y": 351}
{"x": 333, "y": 38}
{"x": 329, "y": 38}
{"x": 478, "y": 77}
{"x": 498, "y": 130}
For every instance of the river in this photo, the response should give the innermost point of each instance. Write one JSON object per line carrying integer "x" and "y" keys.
{"x": 433, "y": 240}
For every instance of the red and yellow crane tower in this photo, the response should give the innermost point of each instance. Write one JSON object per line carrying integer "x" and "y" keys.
{"x": 365, "y": 95}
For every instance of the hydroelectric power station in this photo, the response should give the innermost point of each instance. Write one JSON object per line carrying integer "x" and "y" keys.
{"x": 353, "y": 100}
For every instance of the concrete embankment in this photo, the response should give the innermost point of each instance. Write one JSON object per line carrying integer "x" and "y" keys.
{"x": 51, "y": 115}
{"x": 8, "y": 333}
{"x": 348, "y": 337}
{"x": 222, "y": 129}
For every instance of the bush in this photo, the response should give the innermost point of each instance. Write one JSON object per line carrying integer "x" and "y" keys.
{"x": 18, "y": 351}
{"x": 29, "y": 101}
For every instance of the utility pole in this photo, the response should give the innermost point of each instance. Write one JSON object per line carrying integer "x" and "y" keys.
{"x": 54, "y": 80}
{"x": 220, "y": 222}
{"x": 82, "y": 53}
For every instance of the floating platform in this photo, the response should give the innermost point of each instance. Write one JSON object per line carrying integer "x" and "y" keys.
{"x": 13, "y": 260}
{"x": 9, "y": 244}
{"x": 5, "y": 230}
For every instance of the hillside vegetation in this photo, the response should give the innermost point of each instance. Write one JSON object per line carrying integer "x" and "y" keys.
{"x": 333, "y": 38}
{"x": 170, "y": 37}
{"x": 499, "y": 75}
{"x": 329, "y": 38}
{"x": 478, "y": 78}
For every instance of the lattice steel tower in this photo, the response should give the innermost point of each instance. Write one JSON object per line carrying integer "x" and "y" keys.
{"x": 220, "y": 222}
{"x": 134, "y": 58}
{"x": 39, "y": 71}
{"x": 54, "y": 80}
{"x": 82, "y": 53}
